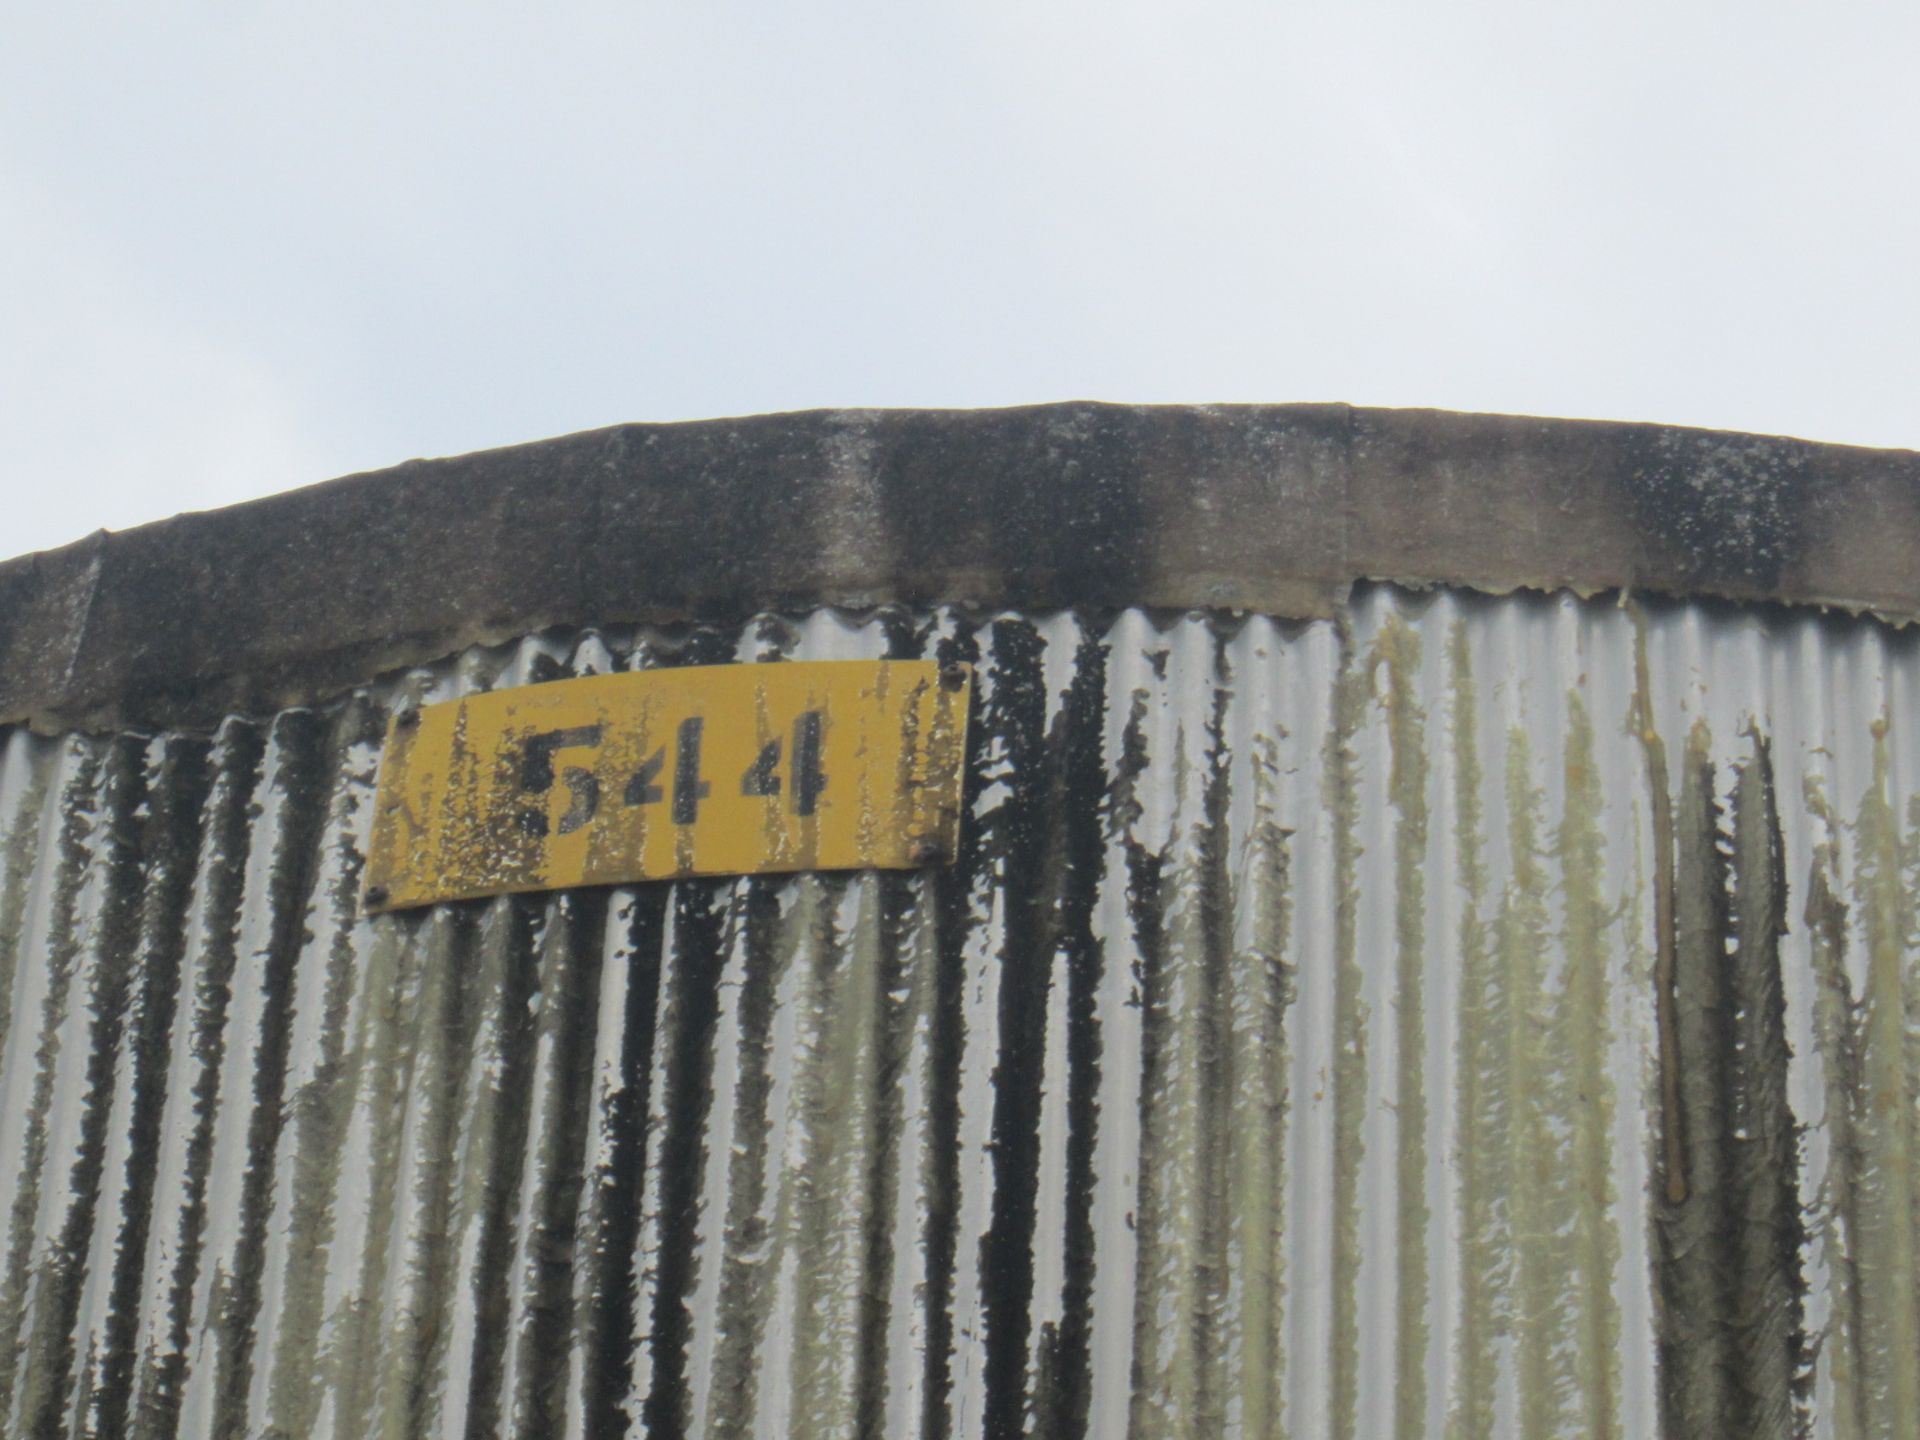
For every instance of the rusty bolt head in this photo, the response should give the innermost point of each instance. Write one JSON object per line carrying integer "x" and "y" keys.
{"x": 928, "y": 851}
{"x": 408, "y": 718}
{"x": 953, "y": 677}
{"x": 376, "y": 895}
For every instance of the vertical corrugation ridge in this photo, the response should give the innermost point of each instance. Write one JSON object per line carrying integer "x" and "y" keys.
{"x": 608, "y": 1290}
{"x": 51, "y": 948}
{"x": 1580, "y": 848}
{"x": 1484, "y": 1114}
{"x": 689, "y": 1007}
{"x": 321, "y": 1080}
{"x": 177, "y": 797}
{"x": 947, "y": 922}
{"x": 1018, "y": 841}
{"x": 1531, "y": 1051}
{"x": 1181, "y": 879}
{"x": 196, "y": 1046}
{"x": 272, "y": 925}
{"x": 1884, "y": 1112}
{"x": 85, "y": 1074}
{"x": 1698, "y": 1359}
{"x": 1397, "y": 649}
{"x": 1117, "y": 1156}
{"x": 1259, "y": 991}
{"x": 1060, "y": 1376}
{"x": 26, "y": 764}
{"x": 1348, "y": 1082}
{"x": 1765, "y": 1160}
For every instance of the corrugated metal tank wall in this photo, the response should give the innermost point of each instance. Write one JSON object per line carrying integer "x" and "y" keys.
{"x": 1471, "y": 1017}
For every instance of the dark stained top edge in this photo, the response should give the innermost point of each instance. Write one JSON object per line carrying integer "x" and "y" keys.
{"x": 1269, "y": 508}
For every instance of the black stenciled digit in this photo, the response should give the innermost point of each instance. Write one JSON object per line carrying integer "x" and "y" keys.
{"x": 536, "y": 777}
{"x": 642, "y": 789}
{"x": 585, "y": 786}
{"x": 808, "y": 778}
{"x": 688, "y": 788}
{"x": 762, "y": 777}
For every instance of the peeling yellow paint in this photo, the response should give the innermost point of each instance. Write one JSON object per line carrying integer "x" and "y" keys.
{"x": 701, "y": 770}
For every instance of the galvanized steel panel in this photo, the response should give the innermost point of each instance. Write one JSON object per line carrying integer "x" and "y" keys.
{"x": 1466, "y": 1017}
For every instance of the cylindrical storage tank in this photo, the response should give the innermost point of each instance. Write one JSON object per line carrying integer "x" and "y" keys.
{"x": 1433, "y": 949}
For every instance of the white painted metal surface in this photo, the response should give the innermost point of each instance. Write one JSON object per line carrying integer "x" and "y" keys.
{"x": 1292, "y": 1052}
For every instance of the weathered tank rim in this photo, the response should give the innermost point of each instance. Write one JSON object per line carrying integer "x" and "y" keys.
{"x": 1268, "y": 509}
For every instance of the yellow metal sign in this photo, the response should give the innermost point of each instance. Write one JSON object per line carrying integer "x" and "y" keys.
{"x": 709, "y": 770}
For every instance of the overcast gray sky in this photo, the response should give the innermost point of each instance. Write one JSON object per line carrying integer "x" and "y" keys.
{"x": 245, "y": 246}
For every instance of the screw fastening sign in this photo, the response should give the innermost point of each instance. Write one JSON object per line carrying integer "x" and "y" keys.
{"x": 702, "y": 770}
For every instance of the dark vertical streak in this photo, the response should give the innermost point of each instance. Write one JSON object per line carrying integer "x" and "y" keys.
{"x": 892, "y": 1048}
{"x": 698, "y": 923}
{"x": 570, "y": 987}
{"x": 116, "y": 842}
{"x": 740, "y": 1238}
{"x": 1217, "y": 1087}
{"x": 608, "y": 1330}
{"x": 1764, "y": 1164}
{"x": 520, "y": 920}
{"x": 1063, "y": 1376}
{"x": 950, "y": 921}
{"x": 171, "y": 842}
{"x": 1145, "y": 911}
{"x": 1699, "y": 1363}
{"x": 78, "y": 804}
{"x": 219, "y": 887}
{"x": 1019, "y": 837}
{"x": 306, "y": 759}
